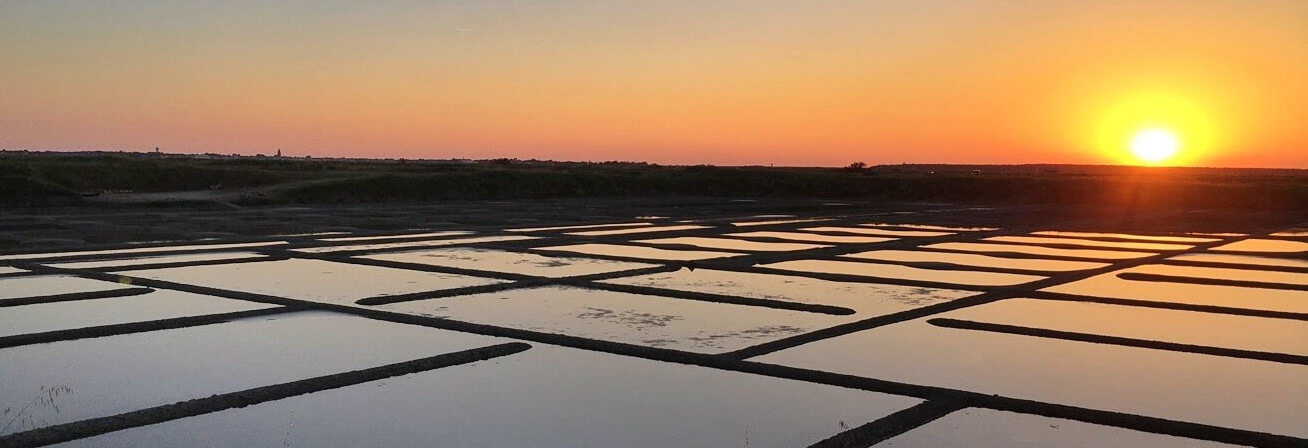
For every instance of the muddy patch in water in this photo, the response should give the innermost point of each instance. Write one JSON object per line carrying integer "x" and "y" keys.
{"x": 116, "y": 374}
{"x": 509, "y": 262}
{"x": 681, "y": 324}
{"x": 865, "y": 298}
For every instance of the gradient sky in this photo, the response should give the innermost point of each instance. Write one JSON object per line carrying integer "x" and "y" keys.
{"x": 728, "y": 82}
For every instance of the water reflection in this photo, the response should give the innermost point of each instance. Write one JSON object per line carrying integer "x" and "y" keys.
{"x": 1091, "y": 243}
{"x": 650, "y": 229}
{"x": 1244, "y": 259}
{"x": 974, "y": 278}
{"x": 137, "y": 250}
{"x": 734, "y": 244}
{"x": 812, "y": 237}
{"x": 777, "y": 221}
{"x": 48, "y": 285}
{"x": 424, "y": 243}
{"x": 987, "y": 428}
{"x": 590, "y": 226}
{"x": 548, "y": 397}
{"x": 398, "y": 237}
{"x": 877, "y": 232}
{"x": 1110, "y": 285}
{"x": 184, "y": 258}
{"x": 1184, "y": 327}
{"x": 314, "y": 280}
{"x": 976, "y": 260}
{"x": 1214, "y": 390}
{"x": 510, "y": 262}
{"x": 649, "y": 253}
{"x": 1169, "y": 238}
{"x": 1294, "y": 278}
{"x": 1038, "y": 250}
{"x": 1296, "y": 232}
{"x": 932, "y": 227}
{"x": 160, "y": 304}
{"x": 124, "y": 373}
{"x": 1265, "y": 245}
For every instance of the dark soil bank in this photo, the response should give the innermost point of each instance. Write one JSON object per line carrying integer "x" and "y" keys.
{"x": 36, "y": 179}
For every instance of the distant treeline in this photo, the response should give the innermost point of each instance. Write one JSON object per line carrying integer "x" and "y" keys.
{"x": 50, "y": 179}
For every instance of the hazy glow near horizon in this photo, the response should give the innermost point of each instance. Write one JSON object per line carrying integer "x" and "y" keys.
{"x": 823, "y": 82}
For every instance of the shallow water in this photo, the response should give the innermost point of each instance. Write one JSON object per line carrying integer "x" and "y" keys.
{"x": 590, "y": 226}
{"x": 116, "y": 374}
{"x": 1294, "y": 278}
{"x": 137, "y": 250}
{"x": 734, "y": 244}
{"x": 289, "y": 235}
{"x": 867, "y": 299}
{"x": 1110, "y": 285}
{"x": 398, "y": 237}
{"x": 160, "y": 304}
{"x": 1038, "y": 250}
{"x": 1165, "y": 239}
{"x": 976, "y": 260}
{"x": 651, "y": 229}
{"x": 510, "y": 262}
{"x": 314, "y": 280}
{"x": 49, "y": 285}
{"x": 1183, "y": 327}
{"x": 1264, "y": 245}
{"x": 184, "y": 258}
{"x": 1244, "y": 259}
{"x": 987, "y": 428}
{"x": 544, "y": 397}
{"x": 1216, "y": 390}
{"x": 877, "y": 232}
{"x": 681, "y": 324}
{"x": 932, "y": 227}
{"x": 553, "y": 396}
{"x": 1089, "y": 243}
{"x": 425, "y": 243}
{"x": 959, "y": 277}
{"x": 777, "y": 221}
{"x": 649, "y": 253}
{"x": 812, "y": 237}
{"x": 1299, "y": 232}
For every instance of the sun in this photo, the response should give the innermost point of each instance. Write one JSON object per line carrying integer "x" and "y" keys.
{"x": 1155, "y": 145}
{"x": 1159, "y": 127}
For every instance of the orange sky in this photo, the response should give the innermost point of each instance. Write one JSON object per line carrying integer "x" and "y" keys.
{"x": 730, "y": 82}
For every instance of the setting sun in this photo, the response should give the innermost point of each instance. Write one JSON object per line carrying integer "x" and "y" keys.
{"x": 1155, "y": 145}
